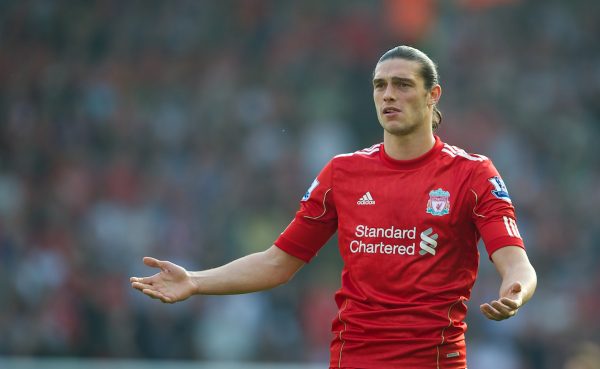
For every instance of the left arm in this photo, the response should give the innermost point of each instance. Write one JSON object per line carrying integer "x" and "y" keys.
{"x": 518, "y": 283}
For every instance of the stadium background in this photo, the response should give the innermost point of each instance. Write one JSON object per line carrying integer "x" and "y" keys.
{"x": 188, "y": 130}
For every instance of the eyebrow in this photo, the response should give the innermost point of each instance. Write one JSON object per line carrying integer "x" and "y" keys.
{"x": 394, "y": 79}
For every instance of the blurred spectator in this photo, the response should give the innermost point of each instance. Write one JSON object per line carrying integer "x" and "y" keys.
{"x": 586, "y": 357}
{"x": 189, "y": 130}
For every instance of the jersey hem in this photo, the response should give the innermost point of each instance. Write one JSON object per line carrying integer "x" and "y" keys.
{"x": 502, "y": 242}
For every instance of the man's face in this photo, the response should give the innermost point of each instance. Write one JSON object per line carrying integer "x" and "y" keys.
{"x": 403, "y": 104}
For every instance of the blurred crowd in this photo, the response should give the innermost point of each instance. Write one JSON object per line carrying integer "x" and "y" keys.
{"x": 189, "y": 130}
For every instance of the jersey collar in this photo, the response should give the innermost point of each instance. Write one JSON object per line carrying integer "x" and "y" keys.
{"x": 413, "y": 163}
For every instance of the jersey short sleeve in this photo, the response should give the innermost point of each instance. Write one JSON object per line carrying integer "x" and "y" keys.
{"x": 493, "y": 213}
{"x": 315, "y": 222}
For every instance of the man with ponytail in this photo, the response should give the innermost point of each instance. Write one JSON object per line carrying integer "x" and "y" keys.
{"x": 409, "y": 213}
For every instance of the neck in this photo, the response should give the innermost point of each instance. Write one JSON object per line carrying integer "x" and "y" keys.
{"x": 408, "y": 147}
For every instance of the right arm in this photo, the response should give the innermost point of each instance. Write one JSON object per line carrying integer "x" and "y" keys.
{"x": 315, "y": 223}
{"x": 251, "y": 273}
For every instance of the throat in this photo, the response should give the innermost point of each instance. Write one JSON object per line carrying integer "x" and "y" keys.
{"x": 407, "y": 147}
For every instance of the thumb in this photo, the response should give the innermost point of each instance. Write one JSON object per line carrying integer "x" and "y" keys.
{"x": 516, "y": 288}
{"x": 513, "y": 291}
{"x": 152, "y": 262}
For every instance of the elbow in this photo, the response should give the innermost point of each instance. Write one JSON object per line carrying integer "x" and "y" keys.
{"x": 280, "y": 266}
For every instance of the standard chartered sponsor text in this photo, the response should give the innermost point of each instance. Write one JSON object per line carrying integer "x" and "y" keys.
{"x": 393, "y": 248}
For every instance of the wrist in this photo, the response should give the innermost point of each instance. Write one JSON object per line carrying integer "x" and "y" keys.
{"x": 194, "y": 279}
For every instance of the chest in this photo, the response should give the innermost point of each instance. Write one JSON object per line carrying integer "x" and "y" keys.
{"x": 381, "y": 197}
{"x": 414, "y": 228}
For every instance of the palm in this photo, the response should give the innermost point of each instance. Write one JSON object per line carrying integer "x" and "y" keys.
{"x": 171, "y": 284}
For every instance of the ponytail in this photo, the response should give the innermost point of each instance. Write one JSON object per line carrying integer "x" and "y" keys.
{"x": 437, "y": 119}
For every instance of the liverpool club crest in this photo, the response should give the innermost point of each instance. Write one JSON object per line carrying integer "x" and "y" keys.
{"x": 439, "y": 202}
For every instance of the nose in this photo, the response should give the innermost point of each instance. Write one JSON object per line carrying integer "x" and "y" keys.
{"x": 388, "y": 94}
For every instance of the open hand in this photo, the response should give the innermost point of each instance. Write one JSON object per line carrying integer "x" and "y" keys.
{"x": 172, "y": 284}
{"x": 506, "y": 306}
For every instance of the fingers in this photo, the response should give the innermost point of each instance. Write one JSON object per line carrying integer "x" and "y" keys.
{"x": 490, "y": 312}
{"x": 496, "y": 310}
{"x": 140, "y": 286}
{"x": 146, "y": 280}
{"x": 157, "y": 295}
{"x": 510, "y": 303}
{"x": 504, "y": 310}
{"x": 151, "y": 262}
{"x": 151, "y": 291}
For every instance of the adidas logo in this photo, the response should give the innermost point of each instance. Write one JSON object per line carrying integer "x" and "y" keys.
{"x": 366, "y": 199}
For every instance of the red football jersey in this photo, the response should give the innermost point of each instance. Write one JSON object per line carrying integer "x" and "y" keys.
{"x": 408, "y": 233}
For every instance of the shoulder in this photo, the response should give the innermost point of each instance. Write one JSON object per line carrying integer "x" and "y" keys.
{"x": 351, "y": 162}
{"x": 473, "y": 165}
{"x": 462, "y": 156}
{"x": 366, "y": 153}
{"x": 346, "y": 167}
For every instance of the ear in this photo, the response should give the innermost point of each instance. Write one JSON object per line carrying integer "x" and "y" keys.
{"x": 434, "y": 95}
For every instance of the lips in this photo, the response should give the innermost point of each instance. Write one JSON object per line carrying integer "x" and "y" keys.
{"x": 390, "y": 109}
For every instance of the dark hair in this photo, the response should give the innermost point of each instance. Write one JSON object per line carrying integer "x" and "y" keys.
{"x": 428, "y": 71}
